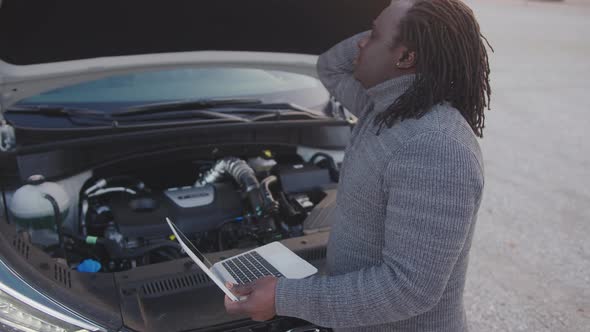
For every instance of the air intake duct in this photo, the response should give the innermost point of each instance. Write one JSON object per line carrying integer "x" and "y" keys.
{"x": 243, "y": 174}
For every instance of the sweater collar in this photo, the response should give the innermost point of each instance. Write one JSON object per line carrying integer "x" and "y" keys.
{"x": 386, "y": 93}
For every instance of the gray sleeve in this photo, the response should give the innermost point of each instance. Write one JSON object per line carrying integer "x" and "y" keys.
{"x": 434, "y": 187}
{"x": 335, "y": 69}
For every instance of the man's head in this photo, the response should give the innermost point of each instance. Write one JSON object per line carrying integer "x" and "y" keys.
{"x": 441, "y": 42}
{"x": 380, "y": 51}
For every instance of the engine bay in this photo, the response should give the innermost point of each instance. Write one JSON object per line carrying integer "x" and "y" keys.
{"x": 117, "y": 219}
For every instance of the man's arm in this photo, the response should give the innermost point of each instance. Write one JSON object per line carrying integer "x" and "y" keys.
{"x": 436, "y": 186}
{"x": 335, "y": 69}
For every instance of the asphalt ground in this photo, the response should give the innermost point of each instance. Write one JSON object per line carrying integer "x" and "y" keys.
{"x": 530, "y": 262}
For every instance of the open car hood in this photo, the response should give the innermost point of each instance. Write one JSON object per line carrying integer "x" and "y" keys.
{"x": 44, "y": 52}
{"x": 20, "y": 82}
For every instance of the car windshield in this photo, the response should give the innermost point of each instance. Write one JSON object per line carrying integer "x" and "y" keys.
{"x": 142, "y": 88}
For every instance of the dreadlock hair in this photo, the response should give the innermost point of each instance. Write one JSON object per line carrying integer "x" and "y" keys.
{"x": 451, "y": 63}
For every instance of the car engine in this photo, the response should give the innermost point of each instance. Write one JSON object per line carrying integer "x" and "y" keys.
{"x": 229, "y": 203}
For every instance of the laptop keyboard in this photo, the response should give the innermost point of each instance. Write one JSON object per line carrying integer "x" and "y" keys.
{"x": 249, "y": 267}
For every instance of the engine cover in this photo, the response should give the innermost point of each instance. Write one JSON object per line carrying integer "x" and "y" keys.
{"x": 193, "y": 209}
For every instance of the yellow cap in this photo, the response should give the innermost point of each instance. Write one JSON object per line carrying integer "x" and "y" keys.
{"x": 267, "y": 153}
{"x": 172, "y": 237}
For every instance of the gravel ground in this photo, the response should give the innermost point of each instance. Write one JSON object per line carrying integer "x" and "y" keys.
{"x": 530, "y": 262}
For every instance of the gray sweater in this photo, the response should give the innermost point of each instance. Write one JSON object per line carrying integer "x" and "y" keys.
{"x": 406, "y": 210}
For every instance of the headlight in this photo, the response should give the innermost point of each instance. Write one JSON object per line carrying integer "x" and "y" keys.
{"x": 25, "y": 309}
{"x": 18, "y": 316}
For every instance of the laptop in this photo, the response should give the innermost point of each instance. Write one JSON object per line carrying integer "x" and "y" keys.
{"x": 273, "y": 259}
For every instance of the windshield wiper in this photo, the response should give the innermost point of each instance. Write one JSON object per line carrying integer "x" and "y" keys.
{"x": 280, "y": 109}
{"x": 88, "y": 117}
{"x": 194, "y": 104}
{"x": 176, "y": 115}
{"x": 203, "y": 111}
{"x": 78, "y": 116}
{"x": 58, "y": 111}
{"x": 225, "y": 108}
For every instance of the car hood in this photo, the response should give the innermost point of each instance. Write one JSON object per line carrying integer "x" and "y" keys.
{"x": 20, "y": 82}
{"x": 66, "y": 42}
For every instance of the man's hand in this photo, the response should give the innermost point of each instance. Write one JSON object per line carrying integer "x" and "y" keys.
{"x": 260, "y": 299}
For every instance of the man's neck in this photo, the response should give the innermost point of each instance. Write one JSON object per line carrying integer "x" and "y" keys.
{"x": 386, "y": 93}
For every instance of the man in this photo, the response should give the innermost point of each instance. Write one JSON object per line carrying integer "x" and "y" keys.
{"x": 411, "y": 182}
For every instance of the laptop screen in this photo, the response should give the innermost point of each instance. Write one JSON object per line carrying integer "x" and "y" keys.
{"x": 191, "y": 246}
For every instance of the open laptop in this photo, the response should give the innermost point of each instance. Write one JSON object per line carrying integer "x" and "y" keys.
{"x": 273, "y": 259}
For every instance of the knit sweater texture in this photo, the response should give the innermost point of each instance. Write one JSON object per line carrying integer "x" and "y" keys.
{"x": 406, "y": 209}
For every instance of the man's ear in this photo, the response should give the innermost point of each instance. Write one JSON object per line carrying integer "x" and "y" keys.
{"x": 407, "y": 60}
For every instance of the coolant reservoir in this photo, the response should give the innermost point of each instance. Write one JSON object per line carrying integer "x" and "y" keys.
{"x": 32, "y": 210}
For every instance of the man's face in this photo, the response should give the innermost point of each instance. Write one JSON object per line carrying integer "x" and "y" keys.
{"x": 378, "y": 55}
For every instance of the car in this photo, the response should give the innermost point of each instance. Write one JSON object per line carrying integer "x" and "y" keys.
{"x": 234, "y": 138}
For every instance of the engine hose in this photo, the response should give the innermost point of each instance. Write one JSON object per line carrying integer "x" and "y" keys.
{"x": 102, "y": 183}
{"x": 104, "y": 191}
{"x": 243, "y": 174}
{"x": 265, "y": 184}
{"x": 332, "y": 167}
{"x": 58, "y": 225}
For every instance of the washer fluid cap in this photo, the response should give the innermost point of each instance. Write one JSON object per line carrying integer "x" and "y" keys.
{"x": 89, "y": 266}
{"x": 36, "y": 179}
